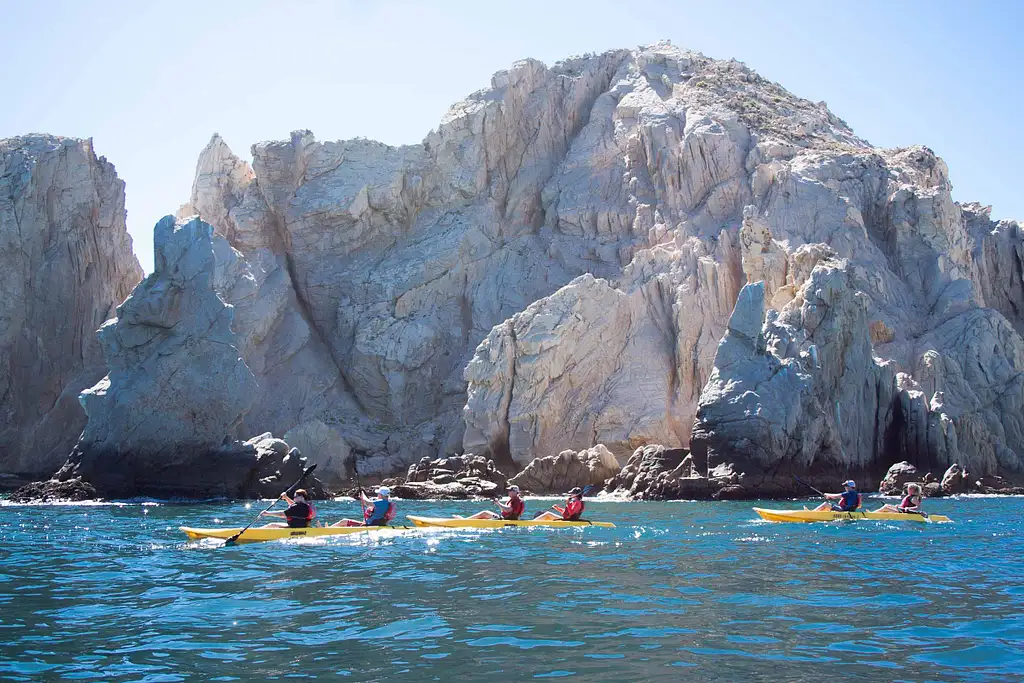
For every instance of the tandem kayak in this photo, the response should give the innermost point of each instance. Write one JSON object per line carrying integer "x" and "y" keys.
{"x": 832, "y": 516}
{"x": 463, "y": 523}
{"x": 257, "y": 534}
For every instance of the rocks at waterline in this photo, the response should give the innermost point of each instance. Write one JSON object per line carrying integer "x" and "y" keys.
{"x": 55, "y": 491}
{"x": 569, "y": 469}
{"x": 896, "y": 479}
{"x": 65, "y": 262}
{"x": 453, "y": 478}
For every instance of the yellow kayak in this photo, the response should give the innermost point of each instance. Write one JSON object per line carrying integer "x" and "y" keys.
{"x": 831, "y": 516}
{"x": 463, "y": 523}
{"x": 257, "y": 534}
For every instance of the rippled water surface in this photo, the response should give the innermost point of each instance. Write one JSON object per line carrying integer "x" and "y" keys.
{"x": 698, "y": 591}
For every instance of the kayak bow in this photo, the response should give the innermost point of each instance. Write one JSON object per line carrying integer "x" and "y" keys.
{"x": 257, "y": 534}
{"x": 463, "y": 523}
{"x": 832, "y": 516}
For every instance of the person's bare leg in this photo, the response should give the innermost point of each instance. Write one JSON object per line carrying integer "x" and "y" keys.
{"x": 483, "y": 514}
{"x": 887, "y": 508}
{"x": 275, "y": 525}
{"x": 824, "y": 506}
{"x": 549, "y": 516}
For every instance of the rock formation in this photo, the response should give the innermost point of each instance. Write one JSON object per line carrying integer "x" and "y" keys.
{"x": 65, "y": 263}
{"x": 452, "y": 478}
{"x": 556, "y": 264}
{"x": 177, "y": 388}
{"x": 559, "y": 473}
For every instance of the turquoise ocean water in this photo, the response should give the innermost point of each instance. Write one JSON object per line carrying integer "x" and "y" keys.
{"x": 679, "y": 591}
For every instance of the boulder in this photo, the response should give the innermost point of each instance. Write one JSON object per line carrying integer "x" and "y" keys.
{"x": 955, "y": 480}
{"x": 568, "y": 469}
{"x": 454, "y": 477}
{"x": 899, "y": 475}
{"x": 66, "y": 262}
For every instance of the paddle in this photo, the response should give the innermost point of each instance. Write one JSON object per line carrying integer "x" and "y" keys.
{"x": 359, "y": 497}
{"x": 288, "y": 491}
{"x": 809, "y": 486}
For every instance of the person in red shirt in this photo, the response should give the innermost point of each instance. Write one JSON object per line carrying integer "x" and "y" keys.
{"x": 572, "y": 511}
{"x": 512, "y": 510}
{"x": 910, "y": 503}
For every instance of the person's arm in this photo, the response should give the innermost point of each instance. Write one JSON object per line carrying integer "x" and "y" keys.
{"x": 503, "y": 506}
{"x": 272, "y": 514}
{"x": 558, "y": 509}
{"x": 363, "y": 498}
{"x": 833, "y": 496}
{"x": 287, "y": 499}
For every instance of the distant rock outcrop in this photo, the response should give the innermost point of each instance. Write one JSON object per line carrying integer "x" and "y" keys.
{"x": 569, "y": 469}
{"x": 65, "y": 263}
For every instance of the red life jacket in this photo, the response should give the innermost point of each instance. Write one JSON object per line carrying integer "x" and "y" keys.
{"x": 299, "y": 517}
{"x": 518, "y": 506}
{"x": 908, "y": 501}
{"x": 573, "y": 509}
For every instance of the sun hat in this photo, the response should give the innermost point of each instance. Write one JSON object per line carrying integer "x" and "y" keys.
{"x": 575, "y": 491}
{"x": 849, "y": 482}
{"x": 384, "y": 491}
{"x": 512, "y": 488}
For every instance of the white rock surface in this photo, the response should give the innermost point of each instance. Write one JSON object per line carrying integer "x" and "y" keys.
{"x": 65, "y": 263}
{"x": 586, "y": 228}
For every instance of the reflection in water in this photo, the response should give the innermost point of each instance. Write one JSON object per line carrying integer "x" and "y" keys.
{"x": 685, "y": 590}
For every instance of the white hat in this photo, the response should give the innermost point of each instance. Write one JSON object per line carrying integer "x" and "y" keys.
{"x": 384, "y": 491}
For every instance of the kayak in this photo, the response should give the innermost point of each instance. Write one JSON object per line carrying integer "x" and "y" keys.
{"x": 831, "y": 516}
{"x": 257, "y": 534}
{"x": 463, "y": 523}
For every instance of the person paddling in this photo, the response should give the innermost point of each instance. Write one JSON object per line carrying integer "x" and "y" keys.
{"x": 512, "y": 510}
{"x": 572, "y": 511}
{"x": 849, "y": 499}
{"x": 376, "y": 512}
{"x": 300, "y": 512}
{"x": 910, "y": 503}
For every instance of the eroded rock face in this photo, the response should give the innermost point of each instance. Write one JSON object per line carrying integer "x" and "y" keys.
{"x": 555, "y": 265}
{"x": 569, "y": 469}
{"x": 177, "y": 388}
{"x": 65, "y": 263}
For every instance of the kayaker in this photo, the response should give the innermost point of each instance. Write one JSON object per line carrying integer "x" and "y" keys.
{"x": 512, "y": 510}
{"x": 300, "y": 512}
{"x": 572, "y": 511}
{"x": 849, "y": 499}
{"x": 910, "y": 503}
{"x": 376, "y": 512}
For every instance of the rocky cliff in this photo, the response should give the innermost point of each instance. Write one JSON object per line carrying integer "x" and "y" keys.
{"x": 65, "y": 263}
{"x": 554, "y": 266}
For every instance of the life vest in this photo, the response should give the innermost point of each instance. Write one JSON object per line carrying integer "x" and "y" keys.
{"x": 518, "y": 506}
{"x": 299, "y": 515}
{"x": 910, "y": 501}
{"x": 849, "y": 501}
{"x": 379, "y": 512}
{"x": 573, "y": 509}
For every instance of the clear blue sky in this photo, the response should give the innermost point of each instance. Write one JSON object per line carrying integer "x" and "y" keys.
{"x": 151, "y": 81}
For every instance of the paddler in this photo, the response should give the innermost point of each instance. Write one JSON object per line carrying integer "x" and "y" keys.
{"x": 849, "y": 499}
{"x": 300, "y": 512}
{"x": 376, "y": 512}
{"x": 910, "y": 503}
{"x": 572, "y": 511}
{"x": 511, "y": 510}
